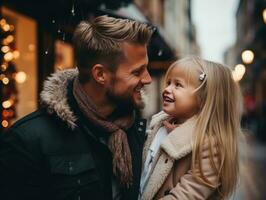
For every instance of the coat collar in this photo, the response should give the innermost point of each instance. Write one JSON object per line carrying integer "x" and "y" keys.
{"x": 54, "y": 96}
{"x": 178, "y": 143}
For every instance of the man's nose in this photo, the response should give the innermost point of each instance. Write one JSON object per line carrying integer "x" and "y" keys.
{"x": 146, "y": 79}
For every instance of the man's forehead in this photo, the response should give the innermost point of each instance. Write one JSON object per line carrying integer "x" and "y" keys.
{"x": 134, "y": 49}
{"x": 134, "y": 55}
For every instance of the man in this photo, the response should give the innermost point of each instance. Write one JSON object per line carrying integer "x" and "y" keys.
{"x": 86, "y": 141}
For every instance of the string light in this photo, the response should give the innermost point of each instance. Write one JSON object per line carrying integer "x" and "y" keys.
{"x": 31, "y": 47}
{"x": 3, "y": 67}
{"x": 6, "y": 27}
{"x": 7, "y": 104}
{"x": 8, "y": 91}
{"x": 5, "y": 113}
{"x": 12, "y": 28}
{"x": 264, "y": 15}
{"x": 16, "y": 54}
{"x": 5, "y": 81}
{"x": 10, "y": 38}
{"x": 2, "y": 22}
{"x": 238, "y": 72}
{"x": 21, "y": 77}
{"x": 8, "y": 56}
{"x": 4, "y": 123}
{"x": 5, "y": 49}
{"x": 2, "y": 76}
{"x": 247, "y": 56}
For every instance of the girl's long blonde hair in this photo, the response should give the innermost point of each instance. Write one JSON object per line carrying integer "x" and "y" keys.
{"x": 218, "y": 122}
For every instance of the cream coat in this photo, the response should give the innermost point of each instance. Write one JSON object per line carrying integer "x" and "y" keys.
{"x": 171, "y": 177}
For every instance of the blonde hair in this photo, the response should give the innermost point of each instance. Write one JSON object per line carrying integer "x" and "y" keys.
{"x": 99, "y": 41}
{"x": 218, "y": 121}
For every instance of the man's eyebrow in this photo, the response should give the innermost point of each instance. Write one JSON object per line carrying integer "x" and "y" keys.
{"x": 139, "y": 68}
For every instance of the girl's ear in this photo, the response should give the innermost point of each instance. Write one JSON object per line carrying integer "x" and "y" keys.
{"x": 99, "y": 73}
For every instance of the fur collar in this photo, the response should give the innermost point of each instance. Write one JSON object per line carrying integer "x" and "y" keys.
{"x": 54, "y": 95}
{"x": 178, "y": 143}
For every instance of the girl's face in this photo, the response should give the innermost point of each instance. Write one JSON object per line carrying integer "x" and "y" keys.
{"x": 179, "y": 98}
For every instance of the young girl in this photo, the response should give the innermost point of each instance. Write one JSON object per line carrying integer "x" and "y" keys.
{"x": 191, "y": 151}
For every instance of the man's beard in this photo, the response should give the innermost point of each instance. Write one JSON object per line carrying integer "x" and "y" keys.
{"x": 124, "y": 102}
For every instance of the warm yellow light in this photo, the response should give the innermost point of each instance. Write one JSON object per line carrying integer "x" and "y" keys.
{"x": 247, "y": 56}
{"x": 2, "y": 76}
{"x": 4, "y": 42}
{"x": 12, "y": 28}
{"x": 31, "y": 47}
{"x": 264, "y": 15}
{"x": 10, "y": 38}
{"x": 8, "y": 56}
{"x": 4, "y": 123}
{"x": 239, "y": 72}
{"x": 2, "y": 22}
{"x": 5, "y": 80}
{"x": 16, "y": 54}
{"x": 7, "y": 104}
{"x": 6, "y": 27}
{"x": 21, "y": 77}
{"x": 5, "y": 49}
{"x": 3, "y": 67}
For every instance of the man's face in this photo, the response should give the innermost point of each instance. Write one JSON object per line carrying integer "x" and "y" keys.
{"x": 129, "y": 78}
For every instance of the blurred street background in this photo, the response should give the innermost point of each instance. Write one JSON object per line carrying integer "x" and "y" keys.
{"x": 35, "y": 41}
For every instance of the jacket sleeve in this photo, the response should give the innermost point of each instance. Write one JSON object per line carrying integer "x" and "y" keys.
{"x": 189, "y": 188}
{"x": 18, "y": 169}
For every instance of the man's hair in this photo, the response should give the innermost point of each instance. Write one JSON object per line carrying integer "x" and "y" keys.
{"x": 99, "y": 41}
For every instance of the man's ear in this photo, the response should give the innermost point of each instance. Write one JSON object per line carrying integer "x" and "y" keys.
{"x": 99, "y": 73}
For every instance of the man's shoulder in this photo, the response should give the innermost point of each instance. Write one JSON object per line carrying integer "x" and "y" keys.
{"x": 34, "y": 125}
{"x": 31, "y": 120}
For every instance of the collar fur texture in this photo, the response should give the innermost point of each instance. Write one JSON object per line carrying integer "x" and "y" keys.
{"x": 54, "y": 95}
{"x": 179, "y": 141}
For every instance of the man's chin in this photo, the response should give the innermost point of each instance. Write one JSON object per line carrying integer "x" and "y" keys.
{"x": 139, "y": 104}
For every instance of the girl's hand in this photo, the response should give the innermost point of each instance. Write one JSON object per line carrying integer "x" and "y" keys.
{"x": 169, "y": 126}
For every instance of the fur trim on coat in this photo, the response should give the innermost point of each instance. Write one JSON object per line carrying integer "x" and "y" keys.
{"x": 172, "y": 177}
{"x": 175, "y": 146}
{"x": 54, "y": 95}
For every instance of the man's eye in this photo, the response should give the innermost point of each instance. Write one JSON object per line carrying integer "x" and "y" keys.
{"x": 136, "y": 73}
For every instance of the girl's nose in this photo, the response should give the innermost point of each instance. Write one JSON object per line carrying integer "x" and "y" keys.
{"x": 168, "y": 89}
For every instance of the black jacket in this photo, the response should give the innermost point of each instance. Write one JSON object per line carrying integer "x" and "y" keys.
{"x": 55, "y": 153}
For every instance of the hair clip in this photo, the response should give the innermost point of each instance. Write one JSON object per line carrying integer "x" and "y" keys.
{"x": 202, "y": 76}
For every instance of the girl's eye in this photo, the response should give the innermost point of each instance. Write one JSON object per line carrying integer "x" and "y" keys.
{"x": 168, "y": 82}
{"x": 178, "y": 84}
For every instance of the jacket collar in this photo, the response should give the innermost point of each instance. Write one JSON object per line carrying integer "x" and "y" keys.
{"x": 54, "y": 96}
{"x": 178, "y": 143}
